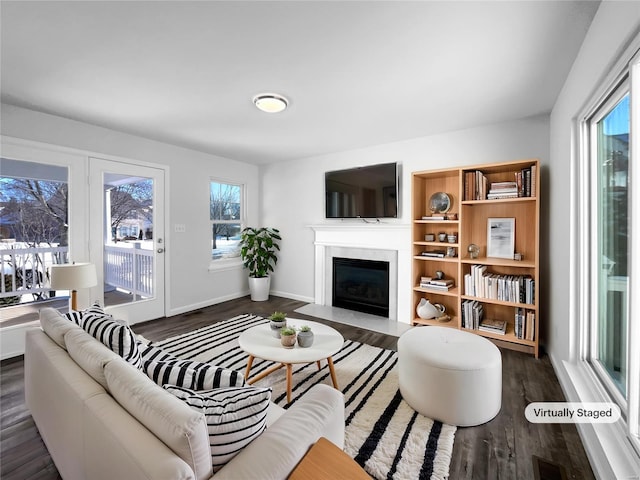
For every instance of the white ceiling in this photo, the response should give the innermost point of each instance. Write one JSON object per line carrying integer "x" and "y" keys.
{"x": 356, "y": 73}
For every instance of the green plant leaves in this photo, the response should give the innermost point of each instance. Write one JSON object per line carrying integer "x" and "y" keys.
{"x": 258, "y": 250}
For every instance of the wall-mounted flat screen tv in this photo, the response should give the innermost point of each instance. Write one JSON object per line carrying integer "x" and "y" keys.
{"x": 362, "y": 192}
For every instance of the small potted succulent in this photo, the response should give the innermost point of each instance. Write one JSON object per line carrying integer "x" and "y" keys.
{"x": 277, "y": 320}
{"x": 288, "y": 337}
{"x": 305, "y": 336}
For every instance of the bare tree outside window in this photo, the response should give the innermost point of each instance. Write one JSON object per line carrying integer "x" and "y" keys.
{"x": 33, "y": 213}
{"x": 131, "y": 208}
{"x": 225, "y": 214}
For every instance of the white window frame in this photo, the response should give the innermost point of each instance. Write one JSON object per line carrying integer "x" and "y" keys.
{"x": 616, "y": 438}
{"x": 633, "y": 387}
{"x": 235, "y": 262}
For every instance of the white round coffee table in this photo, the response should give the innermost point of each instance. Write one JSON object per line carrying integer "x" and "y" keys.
{"x": 259, "y": 342}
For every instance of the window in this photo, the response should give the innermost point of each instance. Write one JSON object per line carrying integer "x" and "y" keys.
{"x": 611, "y": 346}
{"x": 34, "y": 224}
{"x": 609, "y": 154}
{"x": 226, "y": 207}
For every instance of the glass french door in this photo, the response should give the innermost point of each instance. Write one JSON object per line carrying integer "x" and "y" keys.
{"x": 127, "y": 237}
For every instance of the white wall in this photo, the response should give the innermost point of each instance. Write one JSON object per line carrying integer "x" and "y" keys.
{"x": 614, "y": 25}
{"x": 611, "y": 30}
{"x": 293, "y": 191}
{"x": 190, "y": 284}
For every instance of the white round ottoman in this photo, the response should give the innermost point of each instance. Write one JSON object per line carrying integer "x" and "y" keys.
{"x": 450, "y": 375}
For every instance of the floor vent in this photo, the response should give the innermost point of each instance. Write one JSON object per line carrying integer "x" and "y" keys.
{"x": 545, "y": 470}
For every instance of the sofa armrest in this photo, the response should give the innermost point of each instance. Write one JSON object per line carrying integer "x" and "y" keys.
{"x": 275, "y": 453}
{"x": 56, "y": 390}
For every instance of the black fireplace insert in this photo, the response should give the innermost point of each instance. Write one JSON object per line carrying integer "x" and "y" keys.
{"x": 361, "y": 285}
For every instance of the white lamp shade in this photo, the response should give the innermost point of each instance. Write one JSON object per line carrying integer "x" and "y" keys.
{"x": 73, "y": 276}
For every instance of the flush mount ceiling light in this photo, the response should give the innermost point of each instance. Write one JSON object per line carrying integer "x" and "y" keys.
{"x": 270, "y": 102}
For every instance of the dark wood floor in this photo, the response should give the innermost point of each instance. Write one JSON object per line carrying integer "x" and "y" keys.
{"x": 505, "y": 448}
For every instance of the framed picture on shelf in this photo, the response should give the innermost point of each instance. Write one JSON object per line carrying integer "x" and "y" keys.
{"x": 501, "y": 236}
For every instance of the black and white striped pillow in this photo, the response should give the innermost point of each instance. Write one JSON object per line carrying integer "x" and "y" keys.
{"x": 235, "y": 417}
{"x": 78, "y": 316}
{"x": 115, "y": 335}
{"x": 164, "y": 368}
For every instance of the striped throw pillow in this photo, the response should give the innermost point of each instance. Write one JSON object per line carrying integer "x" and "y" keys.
{"x": 164, "y": 368}
{"x": 113, "y": 334}
{"x": 78, "y": 316}
{"x": 235, "y": 417}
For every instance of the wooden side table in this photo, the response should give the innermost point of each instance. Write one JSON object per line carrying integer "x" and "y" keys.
{"x": 325, "y": 461}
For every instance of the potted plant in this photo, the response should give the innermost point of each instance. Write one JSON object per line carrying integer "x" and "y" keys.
{"x": 277, "y": 320}
{"x": 288, "y": 337}
{"x": 258, "y": 248}
{"x": 305, "y": 336}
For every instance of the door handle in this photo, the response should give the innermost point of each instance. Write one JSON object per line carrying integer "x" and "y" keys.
{"x": 160, "y": 250}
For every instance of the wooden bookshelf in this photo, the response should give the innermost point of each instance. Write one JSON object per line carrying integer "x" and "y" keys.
{"x": 468, "y": 217}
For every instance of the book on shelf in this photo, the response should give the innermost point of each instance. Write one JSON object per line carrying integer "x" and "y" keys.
{"x": 526, "y": 181}
{"x": 524, "y": 325}
{"x": 434, "y": 253}
{"x": 440, "y": 288}
{"x": 529, "y": 326}
{"x": 533, "y": 181}
{"x": 493, "y": 326}
{"x": 508, "y": 288}
{"x": 497, "y": 186}
{"x": 475, "y": 185}
{"x": 504, "y": 191}
{"x": 436, "y": 284}
{"x": 472, "y": 314}
{"x": 502, "y": 196}
{"x": 434, "y": 217}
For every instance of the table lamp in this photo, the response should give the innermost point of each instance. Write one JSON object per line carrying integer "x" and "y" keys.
{"x": 72, "y": 276}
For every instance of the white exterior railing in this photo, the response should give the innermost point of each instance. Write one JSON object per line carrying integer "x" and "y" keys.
{"x": 26, "y": 270}
{"x": 130, "y": 269}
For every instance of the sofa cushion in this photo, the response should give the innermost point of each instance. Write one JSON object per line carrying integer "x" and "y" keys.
{"x": 164, "y": 368}
{"x": 89, "y": 354}
{"x": 181, "y": 428}
{"x": 115, "y": 335}
{"x": 56, "y": 325}
{"x": 235, "y": 417}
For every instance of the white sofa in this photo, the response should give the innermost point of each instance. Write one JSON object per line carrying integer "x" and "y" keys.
{"x": 102, "y": 418}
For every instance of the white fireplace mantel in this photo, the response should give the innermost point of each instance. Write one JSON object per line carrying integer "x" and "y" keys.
{"x": 376, "y": 239}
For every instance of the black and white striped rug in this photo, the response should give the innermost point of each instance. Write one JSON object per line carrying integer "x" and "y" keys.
{"x": 383, "y": 434}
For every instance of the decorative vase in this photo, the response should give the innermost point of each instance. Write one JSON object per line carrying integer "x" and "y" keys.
{"x": 288, "y": 341}
{"x": 426, "y": 310}
{"x": 305, "y": 339}
{"x": 276, "y": 326}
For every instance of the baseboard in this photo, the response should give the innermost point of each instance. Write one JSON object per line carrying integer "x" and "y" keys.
{"x": 197, "y": 306}
{"x": 292, "y": 296}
